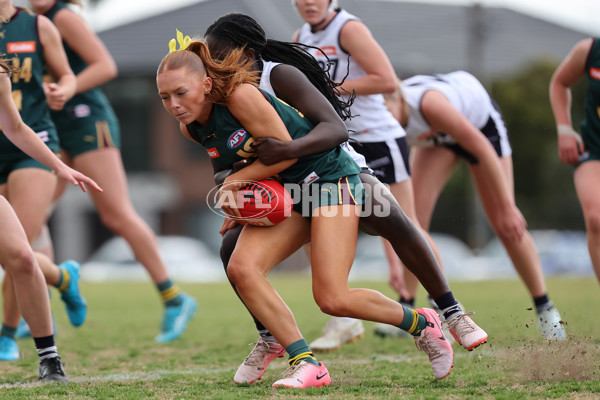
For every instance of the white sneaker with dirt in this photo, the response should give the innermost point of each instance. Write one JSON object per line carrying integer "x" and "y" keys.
{"x": 551, "y": 325}
{"x": 433, "y": 342}
{"x": 255, "y": 365}
{"x": 337, "y": 332}
{"x": 387, "y": 330}
{"x": 466, "y": 332}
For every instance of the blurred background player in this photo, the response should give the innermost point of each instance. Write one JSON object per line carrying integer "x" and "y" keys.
{"x": 89, "y": 115}
{"x": 16, "y": 257}
{"x": 451, "y": 116}
{"x": 583, "y": 152}
{"x": 30, "y": 42}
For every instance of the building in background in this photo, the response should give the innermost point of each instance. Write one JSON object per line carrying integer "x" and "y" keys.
{"x": 171, "y": 175}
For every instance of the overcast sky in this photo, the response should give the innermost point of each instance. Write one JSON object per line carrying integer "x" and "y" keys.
{"x": 583, "y": 15}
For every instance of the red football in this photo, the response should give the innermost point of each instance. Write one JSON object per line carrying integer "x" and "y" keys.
{"x": 264, "y": 203}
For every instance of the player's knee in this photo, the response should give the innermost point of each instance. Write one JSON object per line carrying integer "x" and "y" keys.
{"x": 502, "y": 230}
{"x": 332, "y": 304}
{"x": 118, "y": 219}
{"x": 115, "y": 222}
{"x": 240, "y": 273}
{"x": 22, "y": 262}
{"x": 593, "y": 223}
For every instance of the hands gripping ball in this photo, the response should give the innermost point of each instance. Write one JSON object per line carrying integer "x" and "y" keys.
{"x": 264, "y": 203}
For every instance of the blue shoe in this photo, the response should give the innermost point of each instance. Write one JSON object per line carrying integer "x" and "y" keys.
{"x": 23, "y": 331}
{"x": 176, "y": 319}
{"x": 74, "y": 301}
{"x": 9, "y": 349}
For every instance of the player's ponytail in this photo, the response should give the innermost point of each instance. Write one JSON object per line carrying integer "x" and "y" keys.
{"x": 241, "y": 31}
{"x": 6, "y": 66}
{"x": 226, "y": 74}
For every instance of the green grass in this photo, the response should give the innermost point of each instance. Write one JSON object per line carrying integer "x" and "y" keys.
{"x": 113, "y": 356}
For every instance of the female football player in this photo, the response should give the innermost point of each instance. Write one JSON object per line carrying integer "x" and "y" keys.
{"x": 32, "y": 43}
{"x": 16, "y": 256}
{"x": 89, "y": 115}
{"x": 213, "y": 100}
{"x": 583, "y": 152}
{"x": 277, "y": 61}
{"x": 458, "y": 105}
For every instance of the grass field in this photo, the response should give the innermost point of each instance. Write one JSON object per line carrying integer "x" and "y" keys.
{"x": 113, "y": 356}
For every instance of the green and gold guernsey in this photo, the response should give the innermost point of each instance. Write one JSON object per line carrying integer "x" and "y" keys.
{"x": 20, "y": 43}
{"x": 82, "y": 112}
{"x": 227, "y": 142}
{"x": 590, "y": 128}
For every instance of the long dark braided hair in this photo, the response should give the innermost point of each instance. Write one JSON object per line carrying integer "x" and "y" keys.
{"x": 237, "y": 30}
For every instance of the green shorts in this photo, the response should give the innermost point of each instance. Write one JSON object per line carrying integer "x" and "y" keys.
{"x": 13, "y": 158}
{"x": 346, "y": 190}
{"x": 588, "y": 156}
{"x": 592, "y": 150}
{"x": 80, "y": 129}
{"x": 8, "y": 165}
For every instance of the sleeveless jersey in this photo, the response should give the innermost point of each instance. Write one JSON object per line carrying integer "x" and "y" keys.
{"x": 461, "y": 89}
{"x": 90, "y": 103}
{"x": 20, "y": 42}
{"x": 373, "y": 122}
{"x": 265, "y": 84}
{"x": 590, "y": 127}
{"x": 265, "y": 76}
{"x": 227, "y": 142}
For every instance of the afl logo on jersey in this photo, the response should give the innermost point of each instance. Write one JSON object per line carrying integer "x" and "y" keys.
{"x": 595, "y": 73}
{"x": 236, "y": 138}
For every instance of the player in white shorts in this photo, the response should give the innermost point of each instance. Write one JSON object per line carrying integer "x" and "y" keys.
{"x": 448, "y": 117}
{"x": 380, "y": 137}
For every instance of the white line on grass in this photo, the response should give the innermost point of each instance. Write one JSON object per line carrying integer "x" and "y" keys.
{"x": 398, "y": 358}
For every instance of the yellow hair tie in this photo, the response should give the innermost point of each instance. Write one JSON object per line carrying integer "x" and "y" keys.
{"x": 184, "y": 42}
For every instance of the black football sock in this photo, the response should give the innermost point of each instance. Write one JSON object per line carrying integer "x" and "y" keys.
{"x": 45, "y": 347}
{"x": 449, "y": 306}
{"x": 542, "y": 303}
{"x": 410, "y": 303}
{"x": 266, "y": 336}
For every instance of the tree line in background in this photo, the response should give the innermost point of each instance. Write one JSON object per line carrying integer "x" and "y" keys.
{"x": 544, "y": 187}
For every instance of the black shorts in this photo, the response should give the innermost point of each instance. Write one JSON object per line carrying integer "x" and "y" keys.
{"x": 495, "y": 131}
{"x": 388, "y": 159}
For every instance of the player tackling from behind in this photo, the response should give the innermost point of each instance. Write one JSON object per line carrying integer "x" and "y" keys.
{"x": 282, "y": 65}
{"x": 214, "y": 100}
